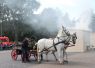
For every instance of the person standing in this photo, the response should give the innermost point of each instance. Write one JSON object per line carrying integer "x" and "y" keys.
{"x": 25, "y": 50}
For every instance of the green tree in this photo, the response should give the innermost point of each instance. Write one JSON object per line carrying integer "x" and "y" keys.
{"x": 13, "y": 15}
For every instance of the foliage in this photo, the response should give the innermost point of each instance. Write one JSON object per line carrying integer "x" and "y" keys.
{"x": 12, "y": 17}
{"x": 17, "y": 20}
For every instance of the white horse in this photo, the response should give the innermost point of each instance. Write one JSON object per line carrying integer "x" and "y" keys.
{"x": 57, "y": 44}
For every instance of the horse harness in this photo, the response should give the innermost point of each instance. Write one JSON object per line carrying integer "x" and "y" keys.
{"x": 55, "y": 44}
{"x": 66, "y": 42}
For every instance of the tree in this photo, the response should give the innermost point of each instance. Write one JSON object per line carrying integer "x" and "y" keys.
{"x": 13, "y": 15}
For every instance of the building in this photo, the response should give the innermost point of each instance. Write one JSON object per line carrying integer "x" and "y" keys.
{"x": 83, "y": 42}
{"x": 92, "y": 40}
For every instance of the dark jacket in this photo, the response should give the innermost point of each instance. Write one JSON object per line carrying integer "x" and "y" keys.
{"x": 25, "y": 45}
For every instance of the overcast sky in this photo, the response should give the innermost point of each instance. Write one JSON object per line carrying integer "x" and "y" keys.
{"x": 73, "y": 7}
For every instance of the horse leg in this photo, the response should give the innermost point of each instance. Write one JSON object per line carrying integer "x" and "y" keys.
{"x": 65, "y": 56}
{"x": 54, "y": 56}
{"x": 39, "y": 55}
{"x": 60, "y": 56}
{"x": 47, "y": 56}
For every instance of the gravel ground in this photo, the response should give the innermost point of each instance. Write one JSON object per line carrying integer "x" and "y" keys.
{"x": 76, "y": 60}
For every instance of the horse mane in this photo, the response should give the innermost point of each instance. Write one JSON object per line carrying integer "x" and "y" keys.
{"x": 61, "y": 32}
{"x": 51, "y": 38}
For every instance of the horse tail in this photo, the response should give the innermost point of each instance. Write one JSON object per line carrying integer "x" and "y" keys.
{"x": 36, "y": 44}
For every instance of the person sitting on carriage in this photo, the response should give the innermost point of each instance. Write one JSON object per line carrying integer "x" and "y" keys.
{"x": 25, "y": 50}
{"x": 32, "y": 42}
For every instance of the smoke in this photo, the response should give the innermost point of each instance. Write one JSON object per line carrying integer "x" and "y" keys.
{"x": 24, "y": 7}
{"x": 84, "y": 21}
{"x": 47, "y": 20}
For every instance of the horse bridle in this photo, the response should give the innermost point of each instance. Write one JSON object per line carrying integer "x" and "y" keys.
{"x": 63, "y": 41}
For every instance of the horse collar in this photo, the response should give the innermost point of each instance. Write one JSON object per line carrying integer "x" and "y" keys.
{"x": 54, "y": 46}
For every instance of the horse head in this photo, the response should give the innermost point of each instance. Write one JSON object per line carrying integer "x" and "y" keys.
{"x": 63, "y": 32}
{"x": 74, "y": 37}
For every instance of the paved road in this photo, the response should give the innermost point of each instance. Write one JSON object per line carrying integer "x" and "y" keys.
{"x": 76, "y": 60}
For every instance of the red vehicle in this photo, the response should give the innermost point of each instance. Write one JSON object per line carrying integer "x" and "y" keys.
{"x": 4, "y": 41}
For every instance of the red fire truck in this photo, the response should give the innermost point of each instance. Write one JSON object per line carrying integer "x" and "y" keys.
{"x": 5, "y": 42}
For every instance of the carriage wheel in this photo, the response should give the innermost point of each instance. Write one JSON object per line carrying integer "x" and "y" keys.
{"x": 29, "y": 54}
{"x": 14, "y": 55}
{"x": 35, "y": 56}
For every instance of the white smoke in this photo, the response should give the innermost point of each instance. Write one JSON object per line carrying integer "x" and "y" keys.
{"x": 85, "y": 19}
{"x": 37, "y": 21}
{"x": 82, "y": 23}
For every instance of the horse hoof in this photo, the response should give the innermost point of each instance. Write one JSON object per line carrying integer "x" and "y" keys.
{"x": 41, "y": 59}
{"x": 47, "y": 60}
{"x": 56, "y": 59}
{"x": 66, "y": 61}
{"x": 61, "y": 63}
{"x": 39, "y": 62}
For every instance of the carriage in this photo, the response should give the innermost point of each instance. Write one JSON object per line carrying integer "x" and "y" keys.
{"x": 17, "y": 51}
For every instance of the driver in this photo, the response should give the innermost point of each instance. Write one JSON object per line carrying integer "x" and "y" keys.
{"x": 25, "y": 50}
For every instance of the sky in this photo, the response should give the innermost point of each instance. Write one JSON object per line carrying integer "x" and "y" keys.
{"x": 73, "y": 7}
